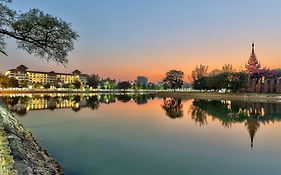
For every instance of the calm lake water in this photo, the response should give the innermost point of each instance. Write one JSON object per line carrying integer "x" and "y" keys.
{"x": 146, "y": 135}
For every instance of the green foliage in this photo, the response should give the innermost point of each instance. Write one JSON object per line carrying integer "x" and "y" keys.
{"x": 174, "y": 79}
{"x": 23, "y": 84}
{"x": 277, "y": 72}
{"x": 228, "y": 68}
{"x": 107, "y": 83}
{"x": 77, "y": 84}
{"x": 199, "y": 72}
{"x": 237, "y": 81}
{"x": 68, "y": 85}
{"x": 200, "y": 83}
{"x": 124, "y": 85}
{"x": 233, "y": 81}
{"x": 218, "y": 81}
{"x": 93, "y": 81}
{"x": 37, "y": 33}
{"x": 6, "y": 82}
{"x": 47, "y": 86}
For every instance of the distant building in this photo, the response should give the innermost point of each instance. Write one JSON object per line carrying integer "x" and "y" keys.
{"x": 141, "y": 80}
{"x": 22, "y": 73}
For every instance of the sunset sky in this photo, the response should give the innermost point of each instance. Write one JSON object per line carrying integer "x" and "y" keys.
{"x": 125, "y": 38}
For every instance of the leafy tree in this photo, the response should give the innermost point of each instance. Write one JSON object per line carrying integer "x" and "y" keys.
{"x": 77, "y": 84}
{"x": 151, "y": 86}
{"x": 23, "y": 84}
{"x": 108, "y": 83}
{"x": 47, "y": 86}
{"x": 7, "y": 82}
{"x": 237, "y": 81}
{"x": 93, "y": 80}
{"x": 200, "y": 83}
{"x": 123, "y": 85}
{"x": 199, "y": 72}
{"x": 228, "y": 68}
{"x": 37, "y": 33}
{"x": 66, "y": 85}
{"x": 215, "y": 72}
{"x": 174, "y": 79}
{"x": 219, "y": 81}
{"x": 277, "y": 72}
{"x": 234, "y": 81}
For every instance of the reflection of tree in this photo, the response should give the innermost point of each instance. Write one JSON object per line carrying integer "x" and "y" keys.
{"x": 52, "y": 103}
{"x": 250, "y": 113}
{"x": 107, "y": 98}
{"x": 124, "y": 98}
{"x": 173, "y": 107}
{"x": 141, "y": 99}
{"x": 93, "y": 102}
{"x": 199, "y": 115}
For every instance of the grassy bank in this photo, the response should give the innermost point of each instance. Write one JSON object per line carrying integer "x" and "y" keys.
{"x": 222, "y": 96}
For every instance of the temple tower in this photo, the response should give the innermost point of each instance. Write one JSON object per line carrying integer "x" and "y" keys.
{"x": 253, "y": 64}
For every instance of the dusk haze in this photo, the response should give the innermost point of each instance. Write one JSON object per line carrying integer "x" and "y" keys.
{"x": 149, "y": 37}
{"x": 147, "y": 87}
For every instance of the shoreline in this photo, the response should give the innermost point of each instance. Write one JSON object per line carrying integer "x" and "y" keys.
{"x": 24, "y": 155}
{"x": 258, "y": 97}
{"x": 254, "y": 97}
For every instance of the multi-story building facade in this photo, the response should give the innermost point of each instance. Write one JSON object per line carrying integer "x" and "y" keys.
{"x": 22, "y": 74}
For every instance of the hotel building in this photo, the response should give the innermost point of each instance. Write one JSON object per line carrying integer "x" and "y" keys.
{"x": 22, "y": 74}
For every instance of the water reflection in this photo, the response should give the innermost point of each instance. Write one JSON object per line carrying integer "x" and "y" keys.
{"x": 173, "y": 107}
{"x": 21, "y": 104}
{"x": 252, "y": 114}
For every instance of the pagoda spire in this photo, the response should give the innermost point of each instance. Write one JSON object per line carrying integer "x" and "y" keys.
{"x": 253, "y": 63}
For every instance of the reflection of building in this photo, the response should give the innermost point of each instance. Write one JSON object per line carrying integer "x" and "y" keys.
{"x": 22, "y": 73}
{"x": 51, "y": 103}
{"x": 252, "y": 114}
{"x": 143, "y": 81}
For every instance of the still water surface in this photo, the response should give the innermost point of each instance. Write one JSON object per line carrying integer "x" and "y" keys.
{"x": 146, "y": 135}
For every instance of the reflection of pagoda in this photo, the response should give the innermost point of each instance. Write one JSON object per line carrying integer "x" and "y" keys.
{"x": 252, "y": 126}
{"x": 252, "y": 114}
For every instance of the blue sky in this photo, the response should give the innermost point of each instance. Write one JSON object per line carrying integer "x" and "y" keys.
{"x": 126, "y": 38}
